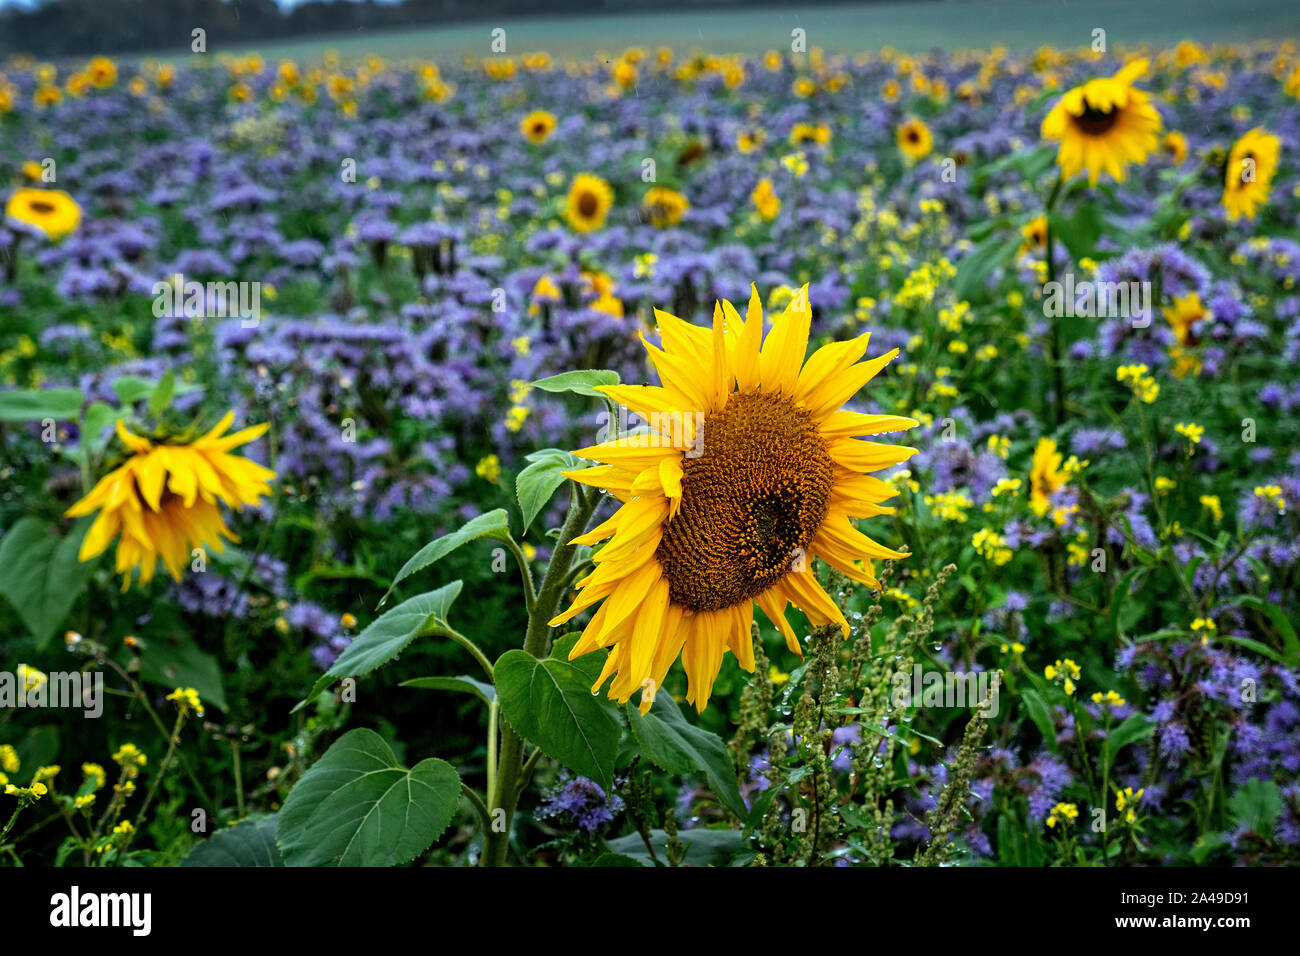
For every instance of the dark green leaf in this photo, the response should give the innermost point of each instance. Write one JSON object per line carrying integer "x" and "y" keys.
{"x": 678, "y": 747}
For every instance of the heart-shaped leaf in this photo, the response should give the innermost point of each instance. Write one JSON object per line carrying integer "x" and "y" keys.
{"x": 550, "y": 703}
{"x": 357, "y": 806}
{"x": 676, "y": 746}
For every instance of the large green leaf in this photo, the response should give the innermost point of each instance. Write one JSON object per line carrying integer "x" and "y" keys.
{"x": 535, "y": 485}
{"x": 495, "y": 524}
{"x": 550, "y": 703}
{"x": 173, "y": 660}
{"x": 40, "y": 574}
{"x": 249, "y": 843}
{"x": 582, "y": 381}
{"x": 129, "y": 389}
{"x": 388, "y": 635}
{"x": 357, "y": 806}
{"x": 23, "y": 405}
{"x": 678, "y": 747}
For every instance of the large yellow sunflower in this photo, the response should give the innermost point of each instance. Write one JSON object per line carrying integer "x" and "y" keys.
{"x": 1104, "y": 125}
{"x": 164, "y": 499}
{"x": 590, "y": 199}
{"x": 1249, "y": 173}
{"x": 52, "y": 211}
{"x": 749, "y": 470}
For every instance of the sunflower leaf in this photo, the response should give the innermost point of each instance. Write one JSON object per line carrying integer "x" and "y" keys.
{"x": 467, "y": 685}
{"x": 494, "y": 524}
{"x": 249, "y": 843}
{"x": 550, "y": 703}
{"x": 357, "y": 806}
{"x": 24, "y": 405}
{"x": 582, "y": 381}
{"x": 678, "y": 747}
{"x": 40, "y": 574}
{"x": 536, "y": 484}
{"x": 387, "y": 636}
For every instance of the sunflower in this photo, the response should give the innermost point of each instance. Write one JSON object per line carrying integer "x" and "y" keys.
{"x": 664, "y": 207}
{"x": 1105, "y": 124}
{"x": 750, "y": 469}
{"x": 1175, "y": 146}
{"x": 52, "y": 211}
{"x": 590, "y": 199}
{"x": 1249, "y": 172}
{"x": 537, "y": 126}
{"x": 765, "y": 200}
{"x": 1045, "y": 476}
{"x": 164, "y": 499}
{"x": 1182, "y": 316}
{"x": 1035, "y": 234}
{"x": 914, "y": 139}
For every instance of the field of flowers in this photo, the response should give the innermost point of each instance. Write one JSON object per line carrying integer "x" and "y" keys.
{"x": 324, "y": 412}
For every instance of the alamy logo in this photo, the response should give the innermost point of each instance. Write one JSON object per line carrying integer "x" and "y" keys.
{"x": 178, "y": 297}
{"x": 70, "y": 689}
{"x": 1094, "y": 300}
{"x": 947, "y": 689}
{"x": 74, "y": 909}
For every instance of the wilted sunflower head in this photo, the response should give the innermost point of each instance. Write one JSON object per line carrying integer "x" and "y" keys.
{"x": 537, "y": 126}
{"x": 51, "y": 211}
{"x": 590, "y": 199}
{"x": 1249, "y": 173}
{"x": 914, "y": 139}
{"x": 1104, "y": 125}
{"x": 164, "y": 499}
{"x": 749, "y": 470}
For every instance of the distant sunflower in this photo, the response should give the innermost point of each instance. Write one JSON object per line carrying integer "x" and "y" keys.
{"x": 1104, "y": 125}
{"x": 164, "y": 499}
{"x": 914, "y": 139}
{"x": 1045, "y": 476}
{"x": 52, "y": 211}
{"x": 1249, "y": 173}
{"x": 1175, "y": 146}
{"x": 537, "y": 126}
{"x": 664, "y": 207}
{"x": 590, "y": 199}
{"x": 729, "y": 514}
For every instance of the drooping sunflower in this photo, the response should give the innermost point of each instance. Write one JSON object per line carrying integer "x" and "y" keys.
{"x": 749, "y": 470}
{"x": 590, "y": 199}
{"x": 52, "y": 211}
{"x": 164, "y": 499}
{"x": 664, "y": 207}
{"x": 537, "y": 126}
{"x": 1249, "y": 173}
{"x": 1104, "y": 125}
{"x": 914, "y": 139}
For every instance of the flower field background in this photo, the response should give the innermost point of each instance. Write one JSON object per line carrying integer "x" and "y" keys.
{"x": 296, "y": 355}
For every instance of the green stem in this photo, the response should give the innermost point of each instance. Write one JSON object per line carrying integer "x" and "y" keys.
{"x": 446, "y": 631}
{"x": 530, "y": 596}
{"x": 582, "y": 505}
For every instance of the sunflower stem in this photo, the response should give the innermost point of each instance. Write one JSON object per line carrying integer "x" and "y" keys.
{"x": 506, "y": 792}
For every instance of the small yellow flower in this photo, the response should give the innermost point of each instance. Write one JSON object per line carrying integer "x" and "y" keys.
{"x": 489, "y": 469}
{"x": 9, "y": 759}
{"x": 95, "y": 773}
{"x": 777, "y": 676}
{"x": 348, "y": 621}
{"x": 1065, "y": 672}
{"x": 765, "y": 200}
{"x": 1212, "y": 504}
{"x": 186, "y": 700}
{"x": 1063, "y": 813}
{"x": 1110, "y": 699}
{"x": 130, "y": 758}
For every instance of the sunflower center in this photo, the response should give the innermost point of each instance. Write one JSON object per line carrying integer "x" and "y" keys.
{"x": 751, "y": 503}
{"x": 913, "y": 136}
{"x": 588, "y": 204}
{"x": 41, "y": 207}
{"x": 1096, "y": 122}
